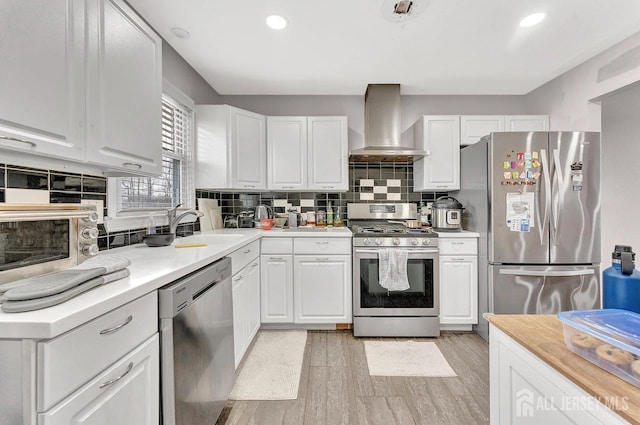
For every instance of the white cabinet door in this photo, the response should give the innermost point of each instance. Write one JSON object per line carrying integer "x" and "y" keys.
{"x": 240, "y": 323}
{"x": 42, "y": 100}
{"x": 328, "y": 153}
{"x": 458, "y": 289}
{"x": 527, "y": 123}
{"x": 287, "y": 153}
{"x": 124, "y": 83}
{"x": 474, "y": 127}
{"x": 322, "y": 288}
{"x": 253, "y": 300}
{"x": 127, "y": 393}
{"x": 276, "y": 288}
{"x": 248, "y": 150}
{"x": 440, "y": 168}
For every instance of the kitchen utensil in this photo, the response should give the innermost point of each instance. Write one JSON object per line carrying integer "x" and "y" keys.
{"x": 280, "y": 221}
{"x": 209, "y": 207}
{"x": 158, "y": 239}
{"x": 409, "y": 224}
{"x": 190, "y": 245}
{"x": 446, "y": 214}
{"x": 245, "y": 219}
{"x": 263, "y": 211}
{"x": 266, "y": 223}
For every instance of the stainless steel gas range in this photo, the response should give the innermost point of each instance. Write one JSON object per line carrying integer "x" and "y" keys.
{"x": 381, "y": 312}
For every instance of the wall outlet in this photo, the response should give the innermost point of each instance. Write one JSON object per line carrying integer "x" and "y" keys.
{"x": 99, "y": 207}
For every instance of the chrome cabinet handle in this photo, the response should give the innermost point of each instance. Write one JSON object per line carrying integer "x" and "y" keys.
{"x": 132, "y": 165}
{"x": 322, "y": 258}
{"x": 116, "y": 328}
{"x": 287, "y": 187}
{"x": 457, "y": 259}
{"x": 275, "y": 258}
{"x": 322, "y": 242}
{"x": 247, "y": 251}
{"x": 254, "y": 265}
{"x": 249, "y": 185}
{"x": 238, "y": 278}
{"x": 457, "y": 243}
{"x": 13, "y": 139}
{"x": 328, "y": 187}
{"x": 114, "y": 380}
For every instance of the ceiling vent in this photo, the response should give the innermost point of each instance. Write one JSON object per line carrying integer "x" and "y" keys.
{"x": 403, "y": 10}
{"x": 402, "y": 7}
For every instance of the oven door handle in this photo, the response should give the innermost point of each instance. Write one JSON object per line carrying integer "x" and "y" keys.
{"x": 411, "y": 251}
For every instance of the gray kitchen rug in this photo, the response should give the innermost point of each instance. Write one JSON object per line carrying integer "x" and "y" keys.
{"x": 273, "y": 366}
{"x": 406, "y": 358}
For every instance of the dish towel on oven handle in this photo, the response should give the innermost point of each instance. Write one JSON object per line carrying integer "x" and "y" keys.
{"x": 392, "y": 269}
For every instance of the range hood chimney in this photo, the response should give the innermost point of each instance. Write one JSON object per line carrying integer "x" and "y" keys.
{"x": 382, "y": 128}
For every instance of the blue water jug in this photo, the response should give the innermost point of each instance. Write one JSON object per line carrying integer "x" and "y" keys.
{"x": 621, "y": 281}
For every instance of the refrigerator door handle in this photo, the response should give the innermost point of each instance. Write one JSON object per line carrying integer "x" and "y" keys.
{"x": 548, "y": 273}
{"x": 559, "y": 210}
{"x": 547, "y": 189}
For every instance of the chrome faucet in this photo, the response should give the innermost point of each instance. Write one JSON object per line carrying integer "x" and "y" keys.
{"x": 173, "y": 220}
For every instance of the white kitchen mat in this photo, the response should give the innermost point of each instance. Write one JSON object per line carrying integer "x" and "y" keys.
{"x": 272, "y": 370}
{"x": 406, "y": 358}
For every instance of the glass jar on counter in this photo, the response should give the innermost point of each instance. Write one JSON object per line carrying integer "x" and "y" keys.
{"x": 321, "y": 219}
{"x": 311, "y": 218}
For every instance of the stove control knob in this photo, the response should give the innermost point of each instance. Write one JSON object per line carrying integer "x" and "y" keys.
{"x": 426, "y": 242}
{"x": 378, "y": 241}
{"x": 396, "y": 241}
{"x": 414, "y": 242}
{"x": 367, "y": 241}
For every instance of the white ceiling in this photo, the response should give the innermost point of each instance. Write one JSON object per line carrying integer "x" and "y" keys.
{"x": 338, "y": 46}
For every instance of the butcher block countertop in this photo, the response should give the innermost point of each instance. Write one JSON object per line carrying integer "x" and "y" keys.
{"x": 543, "y": 336}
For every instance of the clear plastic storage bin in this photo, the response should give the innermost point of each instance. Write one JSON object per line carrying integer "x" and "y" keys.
{"x": 607, "y": 338}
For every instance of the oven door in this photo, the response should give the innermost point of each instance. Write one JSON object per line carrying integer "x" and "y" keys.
{"x": 371, "y": 299}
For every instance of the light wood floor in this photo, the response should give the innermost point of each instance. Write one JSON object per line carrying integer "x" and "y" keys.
{"x": 336, "y": 388}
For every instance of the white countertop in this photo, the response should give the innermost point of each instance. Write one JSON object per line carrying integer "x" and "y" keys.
{"x": 151, "y": 268}
{"x": 458, "y": 234}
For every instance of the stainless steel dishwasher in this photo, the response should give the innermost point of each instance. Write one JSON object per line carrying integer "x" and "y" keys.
{"x": 196, "y": 328}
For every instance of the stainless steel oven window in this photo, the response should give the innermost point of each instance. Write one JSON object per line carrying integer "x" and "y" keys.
{"x": 370, "y": 299}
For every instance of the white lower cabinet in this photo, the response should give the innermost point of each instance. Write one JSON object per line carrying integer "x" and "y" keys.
{"x": 246, "y": 308}
{"x": 127, "y": 393}
{"x": 458, "y": 267}
{"x": 459, "y": 289}
{"x": 322, "y": 288}
{"x": 276, "y": 286}
{"x": 526, "y": 390}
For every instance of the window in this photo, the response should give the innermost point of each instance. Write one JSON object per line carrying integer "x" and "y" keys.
{"x": 133, "y": 199}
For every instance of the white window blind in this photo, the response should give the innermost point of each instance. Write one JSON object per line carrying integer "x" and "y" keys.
{"x": 176, "y": 185}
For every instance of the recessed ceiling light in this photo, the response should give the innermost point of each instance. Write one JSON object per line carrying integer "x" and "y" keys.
{"x": 533, "y": 19}
{"x": 276, "y": 22}
{"x": 180, "y": 32}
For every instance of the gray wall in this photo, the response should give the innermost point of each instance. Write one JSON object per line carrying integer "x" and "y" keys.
{"x": 567, "y": 98}
{"x": 179, "y": 73}
{"x": 620, "y": 170}
{"x": 353, "y": 108}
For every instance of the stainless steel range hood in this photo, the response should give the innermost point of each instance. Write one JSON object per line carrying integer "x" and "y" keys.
{"x": 382, "y": 127}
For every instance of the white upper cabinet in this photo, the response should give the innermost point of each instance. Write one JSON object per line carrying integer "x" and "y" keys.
{"x": 231, "y": 148}
{"x": 124, "y": 81}
{"x": 287, "y": 153}
{"x": 42, "y": 77}
{"x": 440, "y": 168}
{"x": 81, "y": 81}
{"x": 328, "y": 153}
{"x": 308, "y": 153}
{"x": 527, "y": 123}
{"x": 474, "y": 127}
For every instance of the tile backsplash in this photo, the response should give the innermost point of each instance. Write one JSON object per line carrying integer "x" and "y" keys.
{"x": 368, "y": 182}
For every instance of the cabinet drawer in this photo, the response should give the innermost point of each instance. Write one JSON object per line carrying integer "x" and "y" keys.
{"x": 277, "y": 246}
{"x": 458, "y": 246}
{"x": 334, "y": 246}
{"x": 125, "y": 393}
{"x": 241, "y": 257}
{"x": 68, "y": 361}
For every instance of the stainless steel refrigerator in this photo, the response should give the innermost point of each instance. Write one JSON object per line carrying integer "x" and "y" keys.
{"x": 534, "y": 197}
